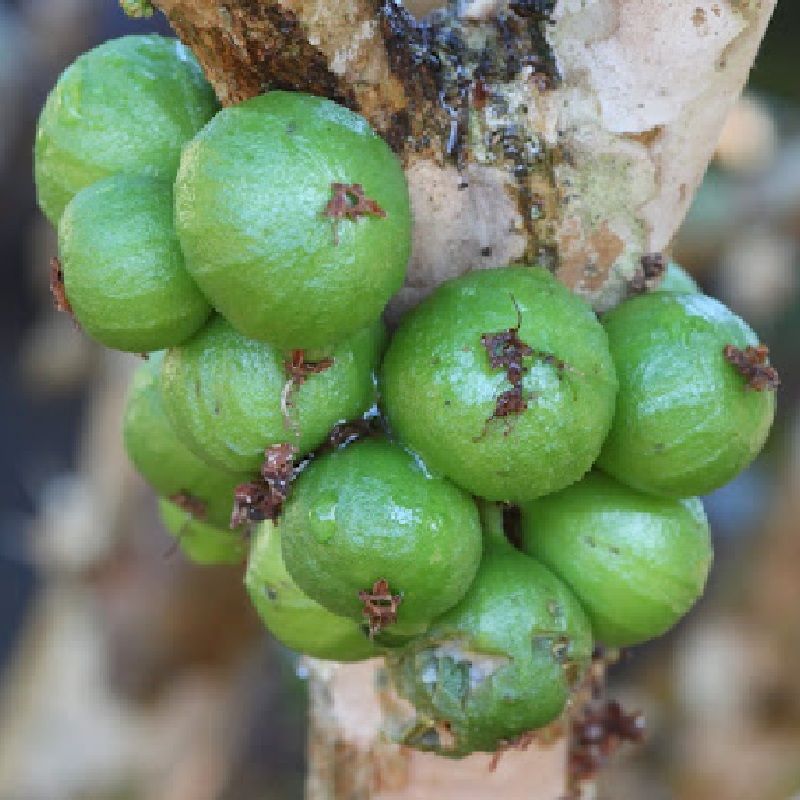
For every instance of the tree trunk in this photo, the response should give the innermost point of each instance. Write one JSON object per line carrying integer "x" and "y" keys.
{"x": 571, "y": 132}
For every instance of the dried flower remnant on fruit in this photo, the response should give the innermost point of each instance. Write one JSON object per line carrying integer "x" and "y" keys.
{"x": 298, "y": 371}
{"x": 520, "y": 743}
{"x": 751, "y": 363}
{"x": 263, "y": 499}
{"x": 57, "y": 287}
{"x": 650, "y": 270}
{"x": 192, "y": 505}
{"x": 349, "y": 201}
{"x": 597, "y": 734}
{"x": 380, "y": 606}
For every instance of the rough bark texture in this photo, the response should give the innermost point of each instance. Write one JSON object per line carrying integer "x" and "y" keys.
{"x": 573, "y": 133}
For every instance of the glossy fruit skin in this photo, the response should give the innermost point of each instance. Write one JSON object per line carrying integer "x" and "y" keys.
{"x": 439, "y": 389}
{"x": 499, "y": 664}
{"x": 163, "y": 459}
{"x": 222, "y": 393}
{"x": 201, "y": 542}
{"x": 636, "y": 562}
{"x": 371, "y": 512}
{"x": 127, "y": 106}
{"x": 685, "y": 422}
{"x": 123, "y": 268}
{"x": 677, "y": 279}
{"x": 290, "y": 615}
{"x": 250, "y": 196}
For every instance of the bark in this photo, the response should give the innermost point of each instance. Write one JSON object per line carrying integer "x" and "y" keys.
{"x": 573, "y": 133}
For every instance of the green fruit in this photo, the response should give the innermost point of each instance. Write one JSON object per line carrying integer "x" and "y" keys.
{"x": 637, "y": 563}
{"x": 123, "y": 268}
{"x": 224, "y": 394}
{"x": 127, "y": 106}
{"x": 677, "y": 279}
{"x": 249, "y": 201}
{"x": 440, "y": 389}
{"x": 163, "y": 459}
{"x": 686, "y": 421}
{"x": 202, "y": 542}
{"x": 291, "y": 616}
{"x": 371, "y": 513}
{"x": 499, "y": 664}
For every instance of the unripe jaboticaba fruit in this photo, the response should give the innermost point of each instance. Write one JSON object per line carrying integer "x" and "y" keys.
{"x": 290, "y": 615}
{"x": 268, "y": 236}
{"x": 677, "y": 279}
{"x": 636, "y": 562}
{"x": 163, "y": 459}
{"x": 499, "y": 664}
{"x": 127, "y": 106}
{"x": 124, "y": 274}
{"x": 686, "y": 420}
{"x": 502, "y": 381}
{"x": 371, "y": 513}
{"x": 200, "y": 541}
{"x": 229, "y": 397}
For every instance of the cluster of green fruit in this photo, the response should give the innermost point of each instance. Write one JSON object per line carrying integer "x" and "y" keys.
{"x": 250, "y": 252}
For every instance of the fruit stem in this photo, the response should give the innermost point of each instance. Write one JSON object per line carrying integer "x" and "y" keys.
{"x": 494, "y": 534}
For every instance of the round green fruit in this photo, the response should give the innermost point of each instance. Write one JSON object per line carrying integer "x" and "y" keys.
{"x": 200, "y": 541}
{"x": 163, "y": 459}
{"x": 124, "y": 274}
{"x": 686, "y": 421}
{"x": 498, "y": 665}
{"x": 677, "y": 279}
{"x": 229, "y": 397}
{"x": 127, "y": 106}
{"x": 251, "y": 200}
{"x": 290, "y": 615}
{"x": 372, "y": 513}
{"x": 636, "y": 562}
{"x": 443, "y": 395}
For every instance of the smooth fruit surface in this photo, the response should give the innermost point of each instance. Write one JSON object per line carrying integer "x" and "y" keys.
{"x": 370, "y": 513}
{"x": 290, "y": 615}
{"x": 250, "y": 198}
{"x": 227, "y": 396}
{"x": 677, "y": 279}
{"x": 127, "y": 106}
{"x": 686, "y": 422}
{"x": 123, "y": 268}
{"x": 200, "y": 541}
{"x": 636, "y": 562}
{"x": 499, "y": 664}
{"x": 163, "y": 459}
{"x": 440, "y": 390}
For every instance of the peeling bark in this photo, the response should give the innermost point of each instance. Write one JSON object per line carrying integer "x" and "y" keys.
{"x": 575, "y": 140}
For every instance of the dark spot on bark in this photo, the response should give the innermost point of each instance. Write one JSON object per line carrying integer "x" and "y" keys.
{"x": 648, "y": 273}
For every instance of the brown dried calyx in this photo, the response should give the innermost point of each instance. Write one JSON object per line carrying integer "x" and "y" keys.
{"x": 649, "y": 272}
{"x": 192, "y": 505}
{"x": 263, "y": 499}
{"x": 752, "y": 364}
{"x": 520, "y": 743}
{"x": 57, "y": 289}
{"x": 350, "y": 202}
{"x": 380, "y": 606}
{"x": 597, "y": 734}
{"x": 298, "y": 371}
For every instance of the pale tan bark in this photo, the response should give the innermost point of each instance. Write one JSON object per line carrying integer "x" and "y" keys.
{"x": 604, "y": 164}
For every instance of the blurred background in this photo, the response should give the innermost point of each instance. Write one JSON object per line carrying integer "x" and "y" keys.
{"x": 126, "y": 673}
